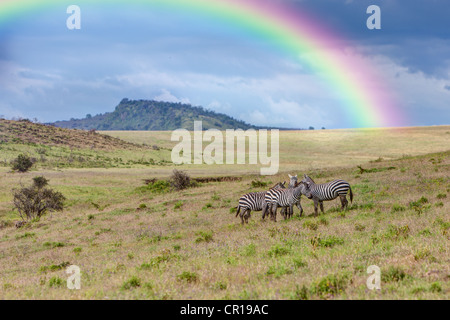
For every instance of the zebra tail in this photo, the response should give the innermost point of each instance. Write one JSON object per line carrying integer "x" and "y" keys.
{"x": 351, "y": 195}
{"x": 237, "y": 211}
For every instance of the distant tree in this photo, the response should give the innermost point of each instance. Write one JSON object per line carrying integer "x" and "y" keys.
{"x": 22, "y": 163}
{"x": 311, "y": 128}
{"x": 323, "y": 128}
{"x": 88, "y": 116}
{"x": 34, "y": 201}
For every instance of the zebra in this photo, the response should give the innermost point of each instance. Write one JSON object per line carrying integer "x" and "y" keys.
{"x": 253, "y": 201}
{"x": 287, "y": 198}
{"x": 267, "y": 207}
{"x": 327, "y": 191}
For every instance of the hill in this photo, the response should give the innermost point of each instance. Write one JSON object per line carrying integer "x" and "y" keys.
{"x": 27, "y": 132}
{"x": 156, "y": 116}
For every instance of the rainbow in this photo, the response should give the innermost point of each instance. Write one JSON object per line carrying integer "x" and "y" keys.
{"x": 363, "y": 96}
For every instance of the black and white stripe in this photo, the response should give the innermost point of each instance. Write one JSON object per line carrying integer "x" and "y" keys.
{"x": 284, "y": 212}
{"x": 253, "y": 201}
{"x": 327, "y": 191}
{"x": 287, "y": 198}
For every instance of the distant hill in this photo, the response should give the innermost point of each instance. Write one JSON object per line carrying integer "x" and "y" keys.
{"x": 25, "y": 131}
{"x": 154, "y": 115}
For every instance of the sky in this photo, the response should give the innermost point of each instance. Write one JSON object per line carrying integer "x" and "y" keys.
{"x": 51, "y": 73}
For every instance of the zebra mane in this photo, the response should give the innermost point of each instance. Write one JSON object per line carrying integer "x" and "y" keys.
{"x": 281, "y": 184}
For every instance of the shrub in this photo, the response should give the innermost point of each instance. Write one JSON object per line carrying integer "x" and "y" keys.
{"x": 310, "y": 225}
{"x": 301, "y": 293}
{"x": 34, "y": 201}
{"x": 22, "y": 163}
{"x": 393, "y": 274}
{"x": 277, "y": 250}
{"x": 133, "y": 282}
{"x": 204, "y": 236}
{"x": 180, "y": 180}
{"x": 55, "y": 282}
{"x": 259, "y": 184}
{"x": 330, "y": 285}
{"x": 187, "y": 276}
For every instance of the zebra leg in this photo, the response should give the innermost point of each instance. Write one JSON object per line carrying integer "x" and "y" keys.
{"x": 321, "y": 207}
{"x": 316, "y": 204}
{"x": 247, "y": 215}
{"x": 299, "y": 205}
{"x": 291, "y": 210}
{"x": 241, "y": 215}
{"x": 274, "y": 211}
{"x": 264, "y": 209}
{"x": 344, "y": 202}
{"x": 283, "y": 212}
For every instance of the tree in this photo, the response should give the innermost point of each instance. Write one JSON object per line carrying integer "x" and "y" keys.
{"x": 22, "y": 163}
{"x": 34, "y": 201}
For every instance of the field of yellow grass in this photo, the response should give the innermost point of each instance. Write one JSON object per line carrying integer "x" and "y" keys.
{"x": 134, "y": 242}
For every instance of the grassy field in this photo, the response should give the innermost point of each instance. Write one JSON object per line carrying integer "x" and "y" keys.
{"x": 132, "y": 242}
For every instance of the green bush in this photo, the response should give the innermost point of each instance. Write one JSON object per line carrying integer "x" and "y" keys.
{"x": 22, "y": 163}
{"x": 133, "y": 282}
{"x": 34, "y": 201}
{"x": 187, "y": 276}
{"x": 330, "y": 285}
{"x": 55, "y": 282}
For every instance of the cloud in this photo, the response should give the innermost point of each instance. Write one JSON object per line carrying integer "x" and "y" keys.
{"x": 168, "y": 97}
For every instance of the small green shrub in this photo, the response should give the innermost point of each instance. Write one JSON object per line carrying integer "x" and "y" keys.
{"x": 187, "y": 276}
{"x": 55, "y": 282}
{"x": 396, "y": 232}
{"x": 330, "y": 285}
{"x": 249, "y": 250}
{"x": 326, "y": 242}
{"x": 393, "y": 274}
{"x": 301, "y": 293}
{"x": 204, "y": 236}
{"x": 52, "y": 245}
{"x": 259, "y": 184}
{"x": 310, "y": 225}
{"x": 178, "y": 204}
{"x": 131, "y": 283}
{"x": 436, "y": 287}
{"x": 397, "y": 208}
{"x": 22, "y": 163}
{"x": 277, "y": 250}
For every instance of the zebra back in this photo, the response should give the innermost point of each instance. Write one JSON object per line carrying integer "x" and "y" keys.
{"x": 330, "y": 190}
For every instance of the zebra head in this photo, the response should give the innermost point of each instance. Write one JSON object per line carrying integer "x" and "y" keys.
{"x": 307, "y": 178}
{"x": 292, "y": 181}
{"x": 307, "y": 189}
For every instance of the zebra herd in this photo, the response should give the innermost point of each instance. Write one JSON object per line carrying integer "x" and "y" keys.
{"x": 279, "y": 196}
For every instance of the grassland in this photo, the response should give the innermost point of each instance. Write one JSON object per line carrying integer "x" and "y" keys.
{"x": 134, "y": 243}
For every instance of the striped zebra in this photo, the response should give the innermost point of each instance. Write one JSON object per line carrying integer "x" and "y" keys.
{"x": 287, "y": 198}
{"x": 253, "y": 201}
{"x": 327, "y": 191}
{"x": 268, "y": 207}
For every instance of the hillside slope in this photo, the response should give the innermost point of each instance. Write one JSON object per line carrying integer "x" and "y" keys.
{"x": 25, "y": 131}
{"x": 154, "y": 115}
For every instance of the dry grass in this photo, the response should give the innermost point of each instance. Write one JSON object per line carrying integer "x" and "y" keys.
{"x": 135, "y": 244}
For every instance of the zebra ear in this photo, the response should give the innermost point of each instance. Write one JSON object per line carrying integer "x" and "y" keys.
{"x": 305, "y": 176}
{"x": 289, "y": 176}
{"x": 295, "y": 176}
